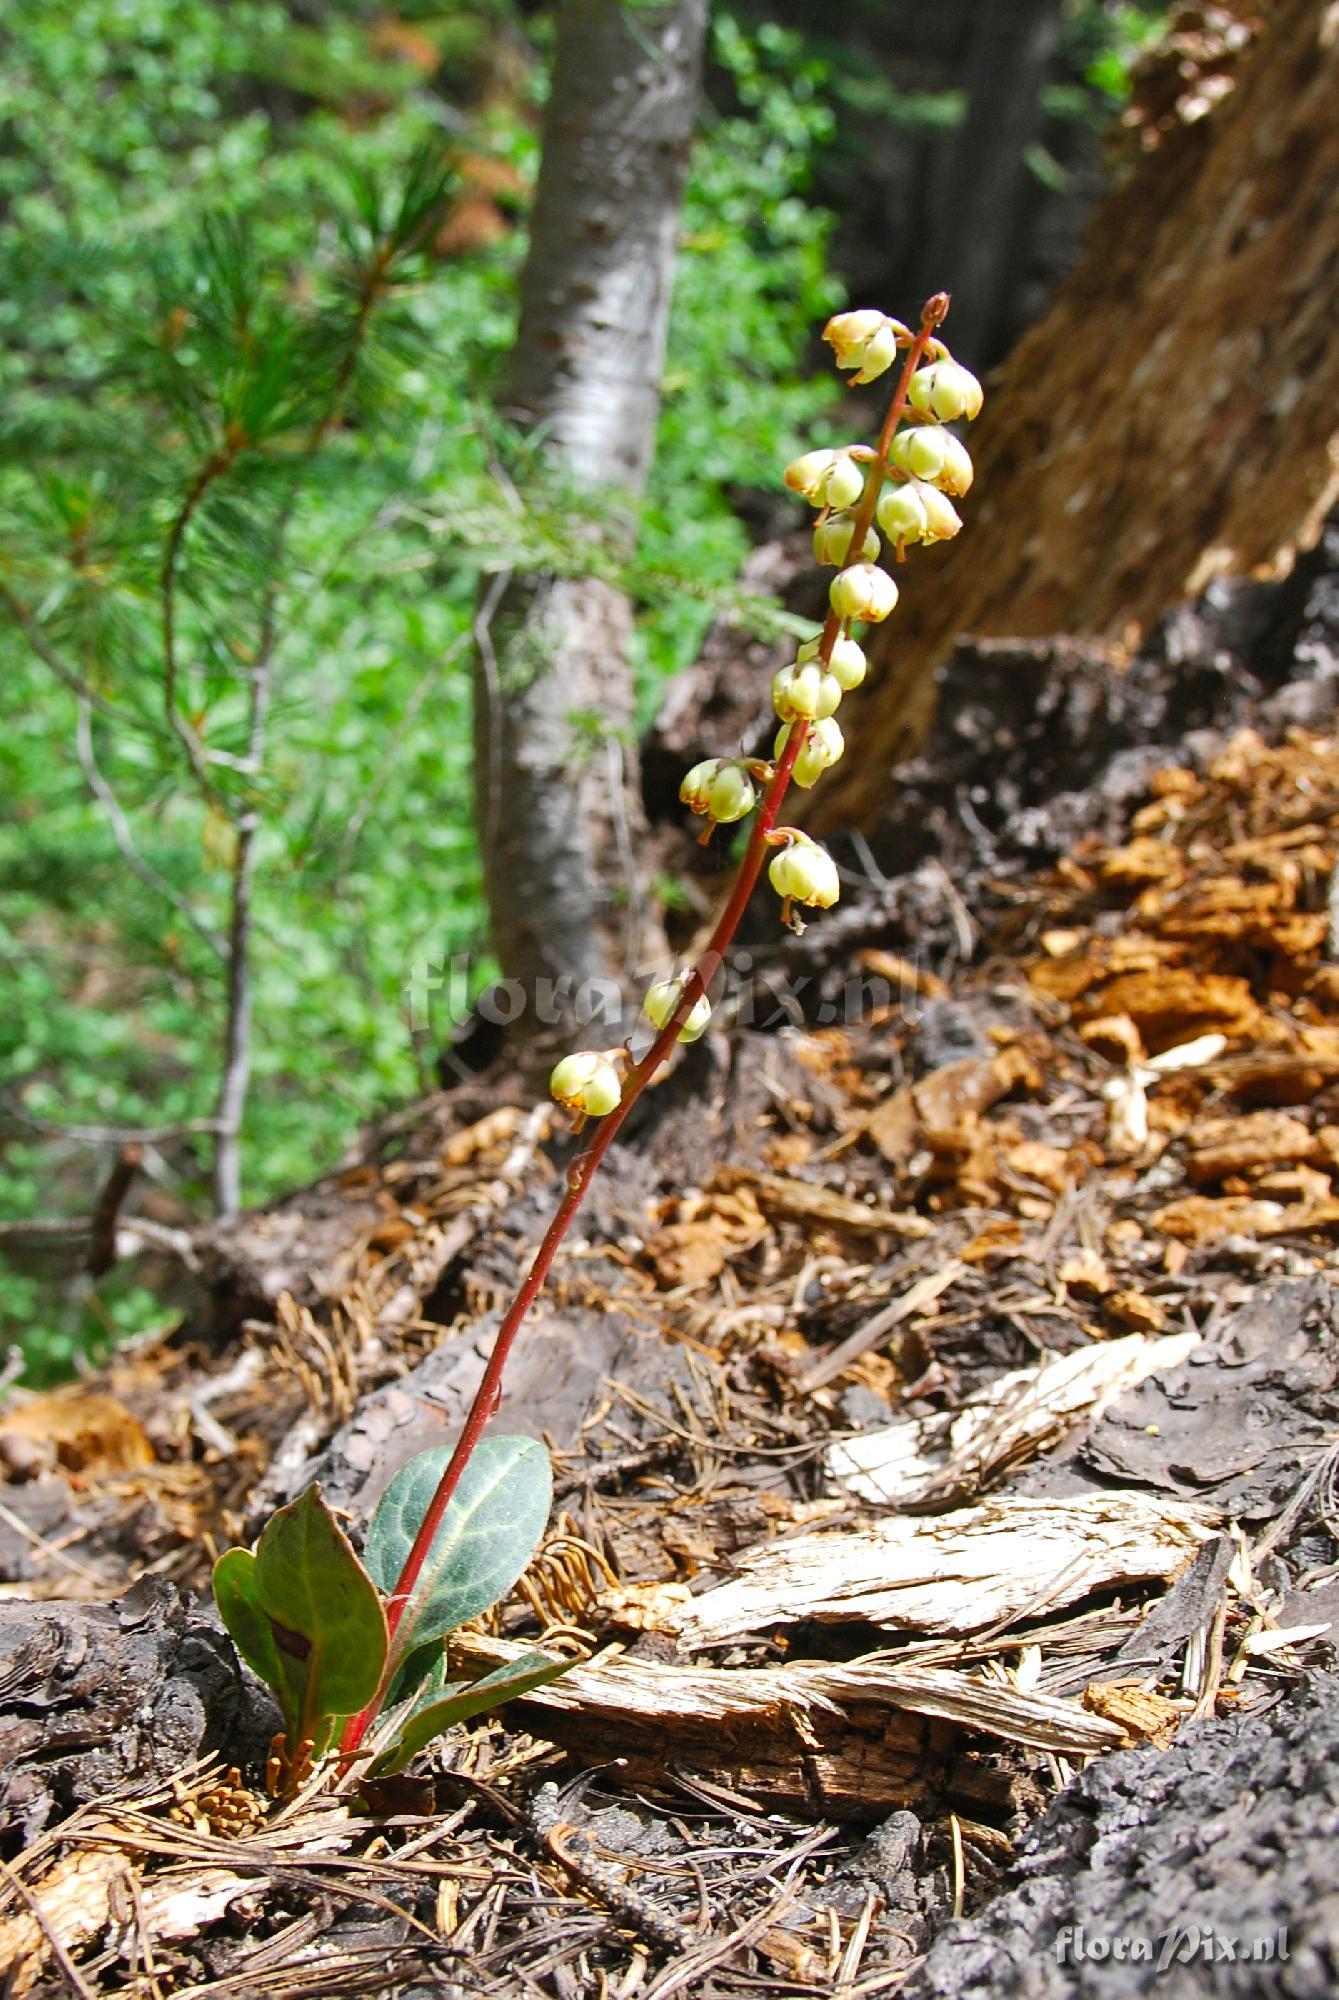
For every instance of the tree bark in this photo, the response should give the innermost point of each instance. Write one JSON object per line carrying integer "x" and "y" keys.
{"x": 1172, "y": 419}
{"x": 972, "y": 237}
{"x": 557, "y": 792}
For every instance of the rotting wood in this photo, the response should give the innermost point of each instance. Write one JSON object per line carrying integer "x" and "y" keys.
{"x": 851, "y": 1741}
{"x": 950, "y": 1574}
{"x": 1133, "y": 448}
{"x": 810, "y": 1201}
{"x": 956, "y": 1454}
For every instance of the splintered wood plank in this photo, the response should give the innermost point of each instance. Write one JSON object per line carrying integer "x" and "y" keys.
{"x": 853, "y": 1740}
{"x": 952, "y": 1574}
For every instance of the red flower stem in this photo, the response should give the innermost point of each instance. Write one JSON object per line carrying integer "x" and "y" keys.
{"x": 489, "y": 1392}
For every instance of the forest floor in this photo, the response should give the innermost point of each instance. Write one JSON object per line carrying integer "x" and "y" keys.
{"x": 944, "y": 1404}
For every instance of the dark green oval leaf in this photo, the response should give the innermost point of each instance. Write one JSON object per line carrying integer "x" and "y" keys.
{"x": 317, "y": 1593}
{"x": 251, "y": 1630}
{"x": 492, "y": 1527}
{"x": 420, "y": 1675}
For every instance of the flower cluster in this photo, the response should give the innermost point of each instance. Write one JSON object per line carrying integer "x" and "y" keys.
{"x": 906, "y": 488}
{"x": 902, "y": 491}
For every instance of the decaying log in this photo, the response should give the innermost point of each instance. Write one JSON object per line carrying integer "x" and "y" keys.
{"x": 94, "y": 1696}
{"x": 864, "y": 1737}
{"x": 1172, "y": 418}
{"x": 850, "y": 1741}
{"x": 1229, "y": 1837}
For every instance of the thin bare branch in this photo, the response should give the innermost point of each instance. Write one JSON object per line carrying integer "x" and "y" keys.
{"x": 125, "y": 840}
{"x": 231, "y": 1101}
{"x": 107, "y": 1210}
{"x": 67, "y": 675}
{"x": 105, "y": 1135}
{"x": 230, "y": 1107}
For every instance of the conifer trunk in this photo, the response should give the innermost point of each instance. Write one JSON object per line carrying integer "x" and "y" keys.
{"x": 557, "y": 792}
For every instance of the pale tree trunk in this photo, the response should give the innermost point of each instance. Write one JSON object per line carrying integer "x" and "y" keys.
{"x": 557, "y": 793}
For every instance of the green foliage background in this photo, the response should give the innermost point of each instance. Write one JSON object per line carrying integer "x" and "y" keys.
{"x": 159, "y": 154}
{"x": 127, "y": 125}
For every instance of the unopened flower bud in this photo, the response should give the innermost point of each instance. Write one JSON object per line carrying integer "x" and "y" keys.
{"x": 955, "y": 474}
{"x": 805, "y": 693}
{"x": 661, "y": 1002}
{"x": 804, "y": 873}
{"x": 822, "y": 747}
{"x": 917, "y": 512}
{"x": 920, "y": 451}
{"x": 805, "y": 475}
{"x": 863, "y": 591}
{"x": 946, "y": 391}
{"x": 586, "y": 1084}
{"x": 832, "y": 542}
{"x": 844, "y": 482}
{"x": 865, "y": 341}
{"x": 848, "y": 664}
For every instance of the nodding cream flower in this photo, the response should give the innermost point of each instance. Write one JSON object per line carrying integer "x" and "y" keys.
{"x": 821, "y": 749}
{"x": 719, "y": 788}
{"x": 945, "y": 391}
{"x": 805, "y": 475}
{"x": 804, "y": 873}
{"x": 955, "y": 474}
{"x": 920, "y": 451}
{"x": 843, "y": 483}
{"x": 917, "y": 512}
{"x": 846, "y": 662}
{"x": 832, "y": 542}
{"x": 865, "y": 592}
{"x": 663, "y": 998}
{"x": 866, "y": 341}
{"x": 826, "y": 478}
{"x": 805, "y": 693}
{"x": 587, "y": 1084}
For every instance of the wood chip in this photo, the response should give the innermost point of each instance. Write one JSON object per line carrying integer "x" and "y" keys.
{"x": 956, "y": 1455}
{"x": 954, "y": 1574}
{"x": 1146, "y": 1717}
{"x": 1221, "y": 1146}
{"x": 806, "y": 1201}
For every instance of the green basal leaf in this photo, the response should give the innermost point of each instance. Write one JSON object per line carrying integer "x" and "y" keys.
{"x": 421, "y": 1674}
{"x": 440, "y": 1713}
{"x": 491, "y": 1529}
{"x": 329, "y": 1628}
{"x": 251, "y": 1630}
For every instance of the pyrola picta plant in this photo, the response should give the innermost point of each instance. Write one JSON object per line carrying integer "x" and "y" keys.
{"x": 356, "y": 1651}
